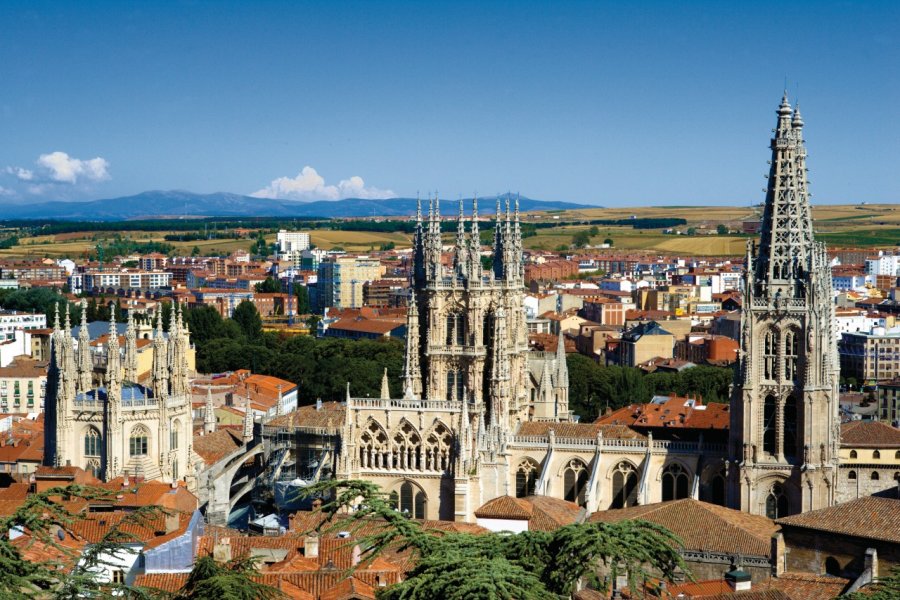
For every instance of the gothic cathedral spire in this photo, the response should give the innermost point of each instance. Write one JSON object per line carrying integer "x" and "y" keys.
{"x": 784, "y": 419}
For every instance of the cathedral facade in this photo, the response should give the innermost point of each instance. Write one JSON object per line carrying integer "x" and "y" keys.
{"x": 482, "y": 416}
{"x": 116, "y": 426}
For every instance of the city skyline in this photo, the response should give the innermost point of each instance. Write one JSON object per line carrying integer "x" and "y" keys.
{"x": 597, "y": 104}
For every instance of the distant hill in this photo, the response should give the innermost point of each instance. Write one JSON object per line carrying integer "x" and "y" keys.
{"x": 176, "y": 203}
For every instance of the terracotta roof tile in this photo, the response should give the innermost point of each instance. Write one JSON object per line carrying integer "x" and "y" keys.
{"x": 212, "y": 447}
{"x": 870, "y": 517}
{"x": 869, "y": 434}
{"x": 330, "y": 416}
{"x": 578, "y": 430}
{"x": 724, "y": 530}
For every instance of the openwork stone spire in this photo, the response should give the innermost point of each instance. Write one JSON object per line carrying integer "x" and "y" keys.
{"x": 131, "y": 350}
{"x": 209, "y": 415}
{"x": 85, "y": 365}
{"x": 160, "y": 360}
{"x": 247, "y": 436}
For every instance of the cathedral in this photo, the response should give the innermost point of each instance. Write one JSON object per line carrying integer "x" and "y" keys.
{"x": 482, "y": 416}
{"x": 116, "y": 426}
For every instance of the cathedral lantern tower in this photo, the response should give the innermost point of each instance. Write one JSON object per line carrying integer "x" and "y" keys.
{"x": 784, "y": 419}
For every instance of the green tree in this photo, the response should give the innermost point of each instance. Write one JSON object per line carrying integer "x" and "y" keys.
{"x": 722, "y": 229}
{"x": 211, "y": 580}
{"x": 593, "y": 231}
{"x": 303, "y": 306}
{"x": 205, "y": 324}
{"x": 268, "y": 286}
{"x": 581, "y": 239}
{"x": 195, "y": 251}
{"x": 886, "y": 588}
{"x": 248, "y": 319}
{"x": 528, "y": 565}
{"x": 692, "y": 231}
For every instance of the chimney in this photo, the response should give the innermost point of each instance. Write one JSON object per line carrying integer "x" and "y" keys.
{"x": 738, "y": 579}
{"x": 318, "y": 404}
{"x": 125, "y": 482}
{"x": 778, "y": 554}
{"x": 871, "y": 562}
{"x": 222, "y": 550}
{"x": 173, "y": 522}
{"x": 311, "y": 546}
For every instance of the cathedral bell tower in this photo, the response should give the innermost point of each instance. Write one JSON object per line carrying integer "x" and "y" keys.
{"x": 784, "y": 419}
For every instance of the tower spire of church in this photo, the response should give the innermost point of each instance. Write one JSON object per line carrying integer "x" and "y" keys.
{"x": 247, "y": 435}
{"x": 209, "y": 415}
{"x": 412, "y": 374}
{"x": 130, "y": 349}
{"x": 461, "y": 260}
{"x": 85, "y": 365}
{"x": 113, "y": 360}
{"x": 385, "y": 385}
{"x": 160, "y": 360}
{"x": 475, "y": 270}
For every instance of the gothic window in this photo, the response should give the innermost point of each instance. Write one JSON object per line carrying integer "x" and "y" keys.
{"x": 456, "y": 329}
{"x": 624, "y": 486}
{"x": 874, "y": 476}
{"x": 174, "y": 434}
{"x": 406, "y": 452}
{"x": 92, "y": 442}
{"x": 790, "y": 426}
{"x": 876, "y": 454}
{"x": 438, "y": 445}
{"x": 373, "y": 447}
{"x": 526, "y": 478}
{"x": 411, "y": 500}
{"x": 717, "y": 489}
{"x": 674, "y": 483}
{"x": 455, "y": 382}
{"x": 174, "y": 469}
{"x": 776, "y": 502}
{"x": 897, "y": 454}
{"x": 851, "y": 475}
{"x": 138, "y": 441}
{"x": 93, "y": 467}
{"x": 770, "y": 438}
{"x": 791, "y": 351}
{"x": 769, "y": 352}
{"x": 575, "y": 481}
{"x": 853, "y": 454}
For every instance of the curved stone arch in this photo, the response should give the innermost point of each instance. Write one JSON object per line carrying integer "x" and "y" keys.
{"x": 610, "y": 471}
{"x": 566, "y": 461}
{"x": 708, "y": 475}
{"x": 438, "y": 446}
{"x": 575, "y": 474}
{"x": 374, "y": 445}
{"x": 675, "y": 479}
{"x": 95, "y": 433}
{"x": 406, "y": 446}
{"x": 405, "y": 428}
{"x": 765, "y": 486}
{"x": 673, "y": 461}
{"x": 140, "y": 441}
{"x": 407, "y": 496}
{"x": 526, "y": 473}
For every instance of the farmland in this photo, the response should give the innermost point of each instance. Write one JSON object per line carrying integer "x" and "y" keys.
{"x": 838, "y": 225}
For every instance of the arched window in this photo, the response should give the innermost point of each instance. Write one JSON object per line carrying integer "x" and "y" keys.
{"x": 93, "y": 467}
{"x": 92, "y": 442}
{"x": 714, "y": 491}
{"x": 790, "y": 426}
{"x": 853, "y": 454}
{"x": 138, "y": 444}
{"x": 526, "y": 478}
{"x": 769, "y": 352}
{"x": 438, "y": 446}
{"x": 174, "y": 434}
{"x": 876, "y": 454}
{"x": 770, "y": 437}
{"x": 851, "y": 475}
{"x": 456, "y": 329}
{"x": 411, "y": 501}
{"x": 373, "y": 447}
{"x": 674, "y": 483}
{"x": 791, "y": 351}
{"x": 455, "y": 382}
{"x": 874, "y": 476}
{"x": 175, "y": 470}
{"x": 575, "y": 481}
{"x": 624, "y": 486}
{"x": 407, "y": 448}
{"x": 897, "y": 454}
{"x": 776, "y": 502}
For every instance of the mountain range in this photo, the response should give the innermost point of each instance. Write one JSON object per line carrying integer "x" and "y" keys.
{"x": 182, "y": 204}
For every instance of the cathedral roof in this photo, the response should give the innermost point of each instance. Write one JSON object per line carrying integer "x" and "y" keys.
{"x": 328, "y": 415}
{"x": 869, "y": 517}
{"x": 543, "y": 513}
{"x": 578, "y": 430}
{"x": 723, "y": 529}
{"x": 869, "y": 434}
{"x": 671, "y": 411}
{"x": 213, "y": 447}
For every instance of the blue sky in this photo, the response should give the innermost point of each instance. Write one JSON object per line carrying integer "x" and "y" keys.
{"x": 608, "y": 103}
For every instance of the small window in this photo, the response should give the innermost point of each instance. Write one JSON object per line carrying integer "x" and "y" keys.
{"x": 851, "y": 475}
{"x": 874, "y": 476}
{"x": 118, "y": 577}
{"x": 853, "y": 454}
{"x": 876, "y": 454}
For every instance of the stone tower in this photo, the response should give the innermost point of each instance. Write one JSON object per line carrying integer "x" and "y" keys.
{"x": 784, "y": 419}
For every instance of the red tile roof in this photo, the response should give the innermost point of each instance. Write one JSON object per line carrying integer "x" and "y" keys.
{"x": 869, "y": 517}
{"x": 869, "y": 434}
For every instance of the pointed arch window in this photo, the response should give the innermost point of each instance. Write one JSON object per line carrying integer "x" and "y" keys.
{"x": 769, "y": 352}
{"x": 717, "y": 489}
{"x": 438, "y": 446}
{"x": 407, "y": 448}
{"x": 575, "y": 481}
{"x": 624, "y": 486}
{"x": 791, "y": 352}
{"x": 92, "y": 442}
{"x": 455, "y": 382}
{"x": 93, "y": 467}
{"x": 776, "y": 502}
{"x": 174, "y": 434}
{"x": 790, "y": 426}
{"x": 138, "y": 441}
{"x": 411, "y": 500}
{"x": 770, "y": 437}
{"x": 526, "y": 478}
{"x": 373, "y": 447}
{"x": 674, "y": 483}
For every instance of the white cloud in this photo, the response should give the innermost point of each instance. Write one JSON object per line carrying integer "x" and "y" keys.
{"x": 63, "y": 168}
{"x": 21, "y": 173}
{"x": 6, "y": 191}
{"x": 309, "y": 185}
